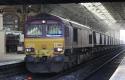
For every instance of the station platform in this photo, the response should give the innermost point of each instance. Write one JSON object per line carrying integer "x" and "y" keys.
{"x": 119, "y": 74}
{"x": 11, "y": 59}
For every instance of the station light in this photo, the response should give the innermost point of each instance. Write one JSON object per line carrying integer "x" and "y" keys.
{"x": 99, "y": 10}
{"x": 30, "y": 6}
{"x": 43, "y": 21}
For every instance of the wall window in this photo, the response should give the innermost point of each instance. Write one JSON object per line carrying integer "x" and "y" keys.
{"x": 10, "y": 22}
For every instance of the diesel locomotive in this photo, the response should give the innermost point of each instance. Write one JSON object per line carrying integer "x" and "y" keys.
{"x": 54, "y": 44}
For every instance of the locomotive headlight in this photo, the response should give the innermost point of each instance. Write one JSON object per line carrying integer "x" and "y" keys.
{"x": 29, "y": 49}
{"x": 58, "y": 49}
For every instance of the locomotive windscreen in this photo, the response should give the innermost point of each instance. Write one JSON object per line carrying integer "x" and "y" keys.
{"x": 35, "y": 30}
{"x": 44, "y": 30}
{"x": 54, "y": 30}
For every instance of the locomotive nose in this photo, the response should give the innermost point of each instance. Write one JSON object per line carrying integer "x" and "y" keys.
{"x": 44, "y": 46}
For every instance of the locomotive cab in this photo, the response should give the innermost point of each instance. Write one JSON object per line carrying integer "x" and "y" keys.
{"x": 44, "y": 40}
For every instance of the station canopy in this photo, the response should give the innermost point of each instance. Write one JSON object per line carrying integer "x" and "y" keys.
{"x": 99, "y": 10}
{"x": 15, "y": 2}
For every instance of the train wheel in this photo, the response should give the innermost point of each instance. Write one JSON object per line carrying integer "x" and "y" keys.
{"x": 78, "y": 59}
{"x": 65, "y": 66}
{"x": 70, "y": 64}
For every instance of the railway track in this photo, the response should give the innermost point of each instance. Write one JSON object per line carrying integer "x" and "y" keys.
{"x": 9, "y": 70}
{"x": 105, "y": 63}
{"x": 86, "y": 70}
{"x": 82, "y": 72}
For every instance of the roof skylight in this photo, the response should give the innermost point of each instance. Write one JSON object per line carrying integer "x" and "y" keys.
{"x": 99, "y": 10}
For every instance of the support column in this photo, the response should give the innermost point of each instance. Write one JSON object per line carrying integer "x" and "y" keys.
{"x": 2, "y": 37}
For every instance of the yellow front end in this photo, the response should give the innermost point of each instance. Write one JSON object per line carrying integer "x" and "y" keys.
{"x": 44, "y": 46}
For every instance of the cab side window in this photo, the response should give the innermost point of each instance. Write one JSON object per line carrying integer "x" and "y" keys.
{"x": 66, "y": 32}
{"x": 75, "y": 35}
{"x": 90, "y": 38}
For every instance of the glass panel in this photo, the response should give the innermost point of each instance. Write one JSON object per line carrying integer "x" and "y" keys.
{"x": 98, "y": 9}
{"x": 10, "y": 22}
{"x": 54, "y": 30}
{"x": 35, "y": 30}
